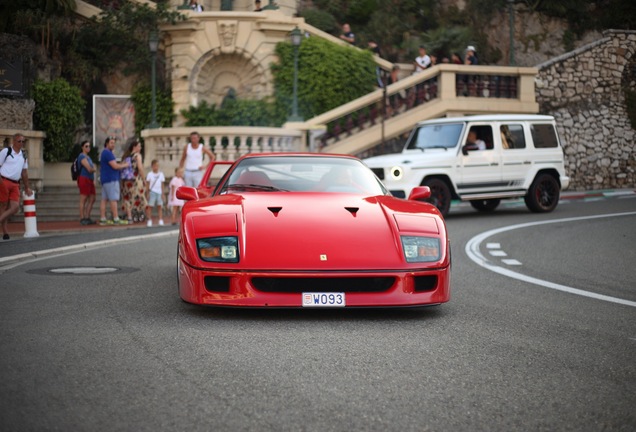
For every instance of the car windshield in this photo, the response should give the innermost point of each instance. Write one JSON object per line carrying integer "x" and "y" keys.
{"x": 435, "y": 136}
{"x": 302, "y": 174}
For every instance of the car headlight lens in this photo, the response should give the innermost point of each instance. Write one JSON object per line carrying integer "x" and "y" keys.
{"x": 396, "y": 173}
{"x": 219, "y": 249}
{"x": 421, "y": 249}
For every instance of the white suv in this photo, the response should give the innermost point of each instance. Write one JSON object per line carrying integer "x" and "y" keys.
{"x": 511, "y": 156}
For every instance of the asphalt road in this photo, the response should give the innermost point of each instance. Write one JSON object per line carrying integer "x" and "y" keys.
{"x": 522, "y": 345}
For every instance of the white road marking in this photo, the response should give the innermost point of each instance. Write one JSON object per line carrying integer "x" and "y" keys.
{"x": 84, "y": 270}
{"x": 511, "y": 261}
{"x": 473, "y": 252}
{"x": 493, "y": 245}
{"x": 619, "y": 193}
{"x": 498, "y": 253}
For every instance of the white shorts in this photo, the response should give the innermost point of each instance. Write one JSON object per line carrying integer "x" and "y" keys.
{"x": 192, "y": 178}
{"x": 155, "y": 199}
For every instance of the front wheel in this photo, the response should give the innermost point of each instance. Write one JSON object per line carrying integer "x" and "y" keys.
{"x": 440, "y": 195}
{"x": 486, "y": 205}
{"x": 543, "y": 195}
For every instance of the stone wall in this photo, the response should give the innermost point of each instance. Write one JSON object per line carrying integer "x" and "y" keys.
{"x": 585, "y": 91}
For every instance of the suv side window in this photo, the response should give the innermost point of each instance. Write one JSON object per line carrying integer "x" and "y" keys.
{"x": 512, "y": 136}
{"x": 544, "y": 135}
{"x": 480, "y": 133}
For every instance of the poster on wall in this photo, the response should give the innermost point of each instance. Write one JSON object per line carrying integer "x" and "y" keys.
{"x": 113, "y": 115}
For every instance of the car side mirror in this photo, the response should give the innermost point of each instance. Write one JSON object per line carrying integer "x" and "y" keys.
{"x": 465, "y": 149}
{"x": 420, "y": 193}
{"x": 187, "y": 193}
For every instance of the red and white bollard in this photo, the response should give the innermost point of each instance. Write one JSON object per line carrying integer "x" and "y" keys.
{"x": 30, "y": 221}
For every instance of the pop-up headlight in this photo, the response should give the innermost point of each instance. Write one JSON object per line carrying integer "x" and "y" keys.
{"x": 219, "y": 249}
{"x": 421, "y": 249}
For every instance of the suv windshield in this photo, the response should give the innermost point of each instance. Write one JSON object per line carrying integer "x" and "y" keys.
{"x": 435, "y": 136}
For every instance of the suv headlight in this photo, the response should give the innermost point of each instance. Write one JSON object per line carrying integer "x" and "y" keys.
{"x": 421, "y": 249}
{"x": 218, "y": 249}
{"x": 396, "y": 172}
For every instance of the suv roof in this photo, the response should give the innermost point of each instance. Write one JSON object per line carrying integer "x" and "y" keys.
{"x": 489, "y": 118}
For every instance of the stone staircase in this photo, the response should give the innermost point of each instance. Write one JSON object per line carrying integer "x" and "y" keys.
{"x": 59, "y": 203}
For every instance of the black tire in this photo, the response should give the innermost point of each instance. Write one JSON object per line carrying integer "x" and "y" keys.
{"x": 440, "y": 195}
{"x": 486, "y": 205}
{"x": 543, "y": 195}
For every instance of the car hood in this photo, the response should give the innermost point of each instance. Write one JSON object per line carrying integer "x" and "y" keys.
{"x": 317, "y": 231}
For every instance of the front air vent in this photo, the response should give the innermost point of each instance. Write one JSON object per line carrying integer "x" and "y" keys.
{"x": 425, "y": 283}
{"x": 217, "y": 283}
{"x": 326, "y": 284}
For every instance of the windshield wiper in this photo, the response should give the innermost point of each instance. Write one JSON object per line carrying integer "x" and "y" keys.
{"x": 255, "y": 186}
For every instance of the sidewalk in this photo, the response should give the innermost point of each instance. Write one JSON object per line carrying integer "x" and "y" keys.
{"x": 16, "y": 229}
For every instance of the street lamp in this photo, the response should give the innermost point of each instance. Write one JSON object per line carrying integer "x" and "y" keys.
{"x": 153, "y": 44}
{"x": 296, "y": 39}
{"x": 511, "y": 12}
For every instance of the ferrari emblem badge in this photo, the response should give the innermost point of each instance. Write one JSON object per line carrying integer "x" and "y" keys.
{"x": 323, "y": 257}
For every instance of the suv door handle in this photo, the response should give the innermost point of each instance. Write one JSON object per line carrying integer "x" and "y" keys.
{"x": 494, "y": 163}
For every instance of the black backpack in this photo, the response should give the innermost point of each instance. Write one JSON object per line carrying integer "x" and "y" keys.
{"x": 75, "y": 169}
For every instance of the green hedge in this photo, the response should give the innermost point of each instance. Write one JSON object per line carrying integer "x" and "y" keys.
{"x": 59, "y": 109}
{"x": 142, "y": 99}
{"x": 329, "y": 75}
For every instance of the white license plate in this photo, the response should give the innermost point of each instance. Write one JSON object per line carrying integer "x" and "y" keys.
{"x": 322, "y": 299}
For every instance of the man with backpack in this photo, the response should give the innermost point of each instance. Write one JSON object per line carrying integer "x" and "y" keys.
{"x": 13, "y": 167}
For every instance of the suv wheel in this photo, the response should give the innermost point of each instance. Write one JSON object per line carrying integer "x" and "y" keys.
{"x": 543, "y": 195}
{"x": 440, "y": 195}
{"x": 487, "y": 205}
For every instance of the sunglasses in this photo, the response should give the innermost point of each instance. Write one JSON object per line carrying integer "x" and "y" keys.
{"x": 21, "y": 141}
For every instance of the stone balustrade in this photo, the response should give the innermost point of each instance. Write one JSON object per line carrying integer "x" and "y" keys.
{"x": 452, "y": 89}
{"x": 228, "y": 143}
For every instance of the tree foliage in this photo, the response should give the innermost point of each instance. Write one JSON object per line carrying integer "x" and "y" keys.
{"x": 400, "y": 25}
{"x": 235, "y": 112}
{"x": 142, "y": 99}
{"x": 58, "y": 112}
{"x": 118, "y": 38}
{"x": 329, "y": 75}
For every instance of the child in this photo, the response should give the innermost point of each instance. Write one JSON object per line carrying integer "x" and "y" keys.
{"x": 175, "y": 204}
{"x": 155, "y": 180}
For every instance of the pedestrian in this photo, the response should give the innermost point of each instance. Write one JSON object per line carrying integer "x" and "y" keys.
{"x": 397, "y": 99}
{"x": 374, "y": 48}
{"x": 257, "y": 6}
{"x": 192, "y": 160}
{"x": 195, "y": 6}
{"x": 133, "y": 184}
{"x": 109, "y": 177}
{"x": 155, "y": 180}
{"x": 347, "y": 35}
{"x": 86, "y": 184}
{"x": 422, "y": 61}
{"x": 174, "y": 203}
{"x": 471, "y": 56}
{"x": 13, "y": 168}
